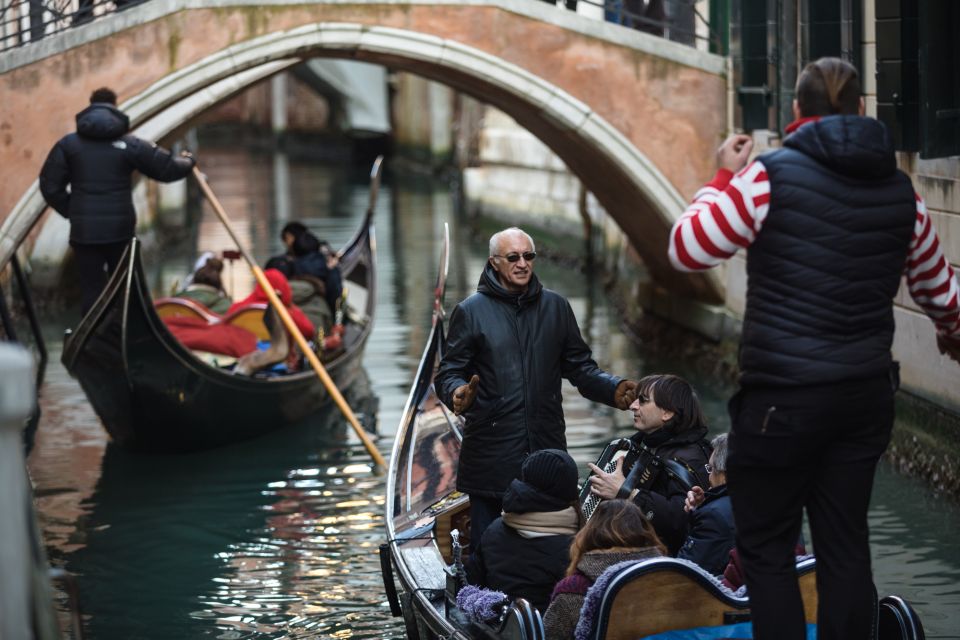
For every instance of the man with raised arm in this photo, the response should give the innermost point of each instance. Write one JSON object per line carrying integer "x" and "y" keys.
{"x": 87, "y": 179}
{"x": 829, "y": 225}
{"x": 508, "y": 346}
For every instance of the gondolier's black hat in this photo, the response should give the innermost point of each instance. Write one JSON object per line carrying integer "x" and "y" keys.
{"x": 553, "y": 472}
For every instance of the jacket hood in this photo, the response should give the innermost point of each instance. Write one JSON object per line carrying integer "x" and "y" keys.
{"x": 490, "y": 285}
{"x": 280, "y": 285}
{"x": 102, "y": 121}
{"x": 593, "y": 563}
{"x": 855, "y": 146}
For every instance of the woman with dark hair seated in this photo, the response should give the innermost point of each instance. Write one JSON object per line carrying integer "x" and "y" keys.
{"x": 667, "y": 459}
{"x": 523, "y": 552}
{"x": 310, "y": 261}
{"x": 617, "y": 532}
{"x": 313, "y": 271}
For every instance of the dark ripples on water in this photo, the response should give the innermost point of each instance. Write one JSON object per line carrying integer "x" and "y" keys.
{"x": 277, "y": 537}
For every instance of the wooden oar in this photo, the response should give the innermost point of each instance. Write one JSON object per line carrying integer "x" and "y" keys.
{"x": 289, "y": 323}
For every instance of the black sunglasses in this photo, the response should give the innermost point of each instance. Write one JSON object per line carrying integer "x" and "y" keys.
{"x": 529, "y": 256}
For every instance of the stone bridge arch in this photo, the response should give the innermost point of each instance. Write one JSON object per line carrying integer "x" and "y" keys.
{"x": 635, "y": 120}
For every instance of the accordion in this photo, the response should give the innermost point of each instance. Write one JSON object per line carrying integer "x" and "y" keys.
{"x": 641, "y": 467}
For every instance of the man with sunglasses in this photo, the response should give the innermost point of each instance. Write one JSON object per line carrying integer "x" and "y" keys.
{"x": 509, "y": 344}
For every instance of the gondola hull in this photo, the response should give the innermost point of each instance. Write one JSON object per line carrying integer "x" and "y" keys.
{"x": 153, "y": 394}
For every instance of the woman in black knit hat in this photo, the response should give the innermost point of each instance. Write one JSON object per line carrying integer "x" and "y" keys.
{"x": 526, "y": 550}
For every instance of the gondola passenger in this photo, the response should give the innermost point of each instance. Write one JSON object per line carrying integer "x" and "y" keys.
{"x": 672, "y": 456}
{"x": 712, "y": 533}
{"x": 313, "y": 271}
{"x": 617, "y": 532}
{"x": 282, "y": 289}
{"x": 206, "y": 287}
{"x": 524, "y": 552}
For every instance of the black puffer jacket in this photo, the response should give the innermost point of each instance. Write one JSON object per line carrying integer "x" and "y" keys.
{"x": 520, "y": 345}
{"x": 315, "y": 264}
{"x": 521, "y": 566}
{"x": 827, "y": 263}
{"x": 711, "y": 532}
{"x": 662, "y": 501}
{"x": 97, "y": 162}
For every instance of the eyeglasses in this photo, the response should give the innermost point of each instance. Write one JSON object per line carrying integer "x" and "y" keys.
{"x": 529, "y": 256}
{"x": 709, "y": 467}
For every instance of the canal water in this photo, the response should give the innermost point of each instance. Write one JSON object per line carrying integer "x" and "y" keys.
{"x": 277, "y": 537}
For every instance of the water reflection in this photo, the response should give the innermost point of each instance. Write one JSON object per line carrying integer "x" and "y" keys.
{"x": 277, "y": 537}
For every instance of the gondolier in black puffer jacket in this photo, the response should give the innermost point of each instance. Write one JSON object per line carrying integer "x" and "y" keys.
{"x": 509, "y": 345}
{"x": 97, "y": 162}
{"x": 830, "y": 227}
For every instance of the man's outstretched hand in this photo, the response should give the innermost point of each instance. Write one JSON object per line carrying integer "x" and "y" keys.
{"x": 464, "y": 395}
{"x": 625, "y": 394}
{"x": 949, "y": 346}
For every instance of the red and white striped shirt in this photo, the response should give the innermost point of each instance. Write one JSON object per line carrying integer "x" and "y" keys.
{"x": 729, "y": 211}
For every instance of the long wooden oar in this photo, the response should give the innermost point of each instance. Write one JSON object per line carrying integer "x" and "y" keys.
{"x": 289, "y": 323}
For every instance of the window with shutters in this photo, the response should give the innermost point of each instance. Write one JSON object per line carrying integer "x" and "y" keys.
{"x": 939, "y": 64}
{"x": 898, "y": 87}
{"x": 772, "y": 40}
{"x": 918, "y": 74}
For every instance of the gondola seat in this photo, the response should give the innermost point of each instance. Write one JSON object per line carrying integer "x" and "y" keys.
{"x": 666, "y": 594}
{"x": 249, "y": 317}
{"x": 173, "y": 307}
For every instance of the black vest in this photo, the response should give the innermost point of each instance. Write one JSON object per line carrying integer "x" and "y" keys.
{"x": 824, "y": 269}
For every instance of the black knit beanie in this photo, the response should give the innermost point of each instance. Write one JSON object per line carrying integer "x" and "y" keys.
{"x": 553, "y": 472}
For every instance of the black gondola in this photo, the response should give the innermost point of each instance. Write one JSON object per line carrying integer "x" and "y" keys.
{"x": 154, "y": 394}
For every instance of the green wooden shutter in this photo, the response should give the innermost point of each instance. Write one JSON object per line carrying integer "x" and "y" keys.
{"x": 754, "y": 91}
{"x": 939, "y": 23}
{"x": 898, "y": 86}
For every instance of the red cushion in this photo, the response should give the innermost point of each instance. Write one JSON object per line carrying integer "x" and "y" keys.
{"x": 225, "y": 339}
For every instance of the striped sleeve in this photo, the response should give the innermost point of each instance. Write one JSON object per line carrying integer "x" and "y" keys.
{"x": 726, "y": 215}
{"x": 930, "y": 277}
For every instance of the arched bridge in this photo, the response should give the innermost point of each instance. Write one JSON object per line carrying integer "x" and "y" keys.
{"x": 635, "y": 116}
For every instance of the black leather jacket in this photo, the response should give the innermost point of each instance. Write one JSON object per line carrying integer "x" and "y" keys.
{"x": 520, "y": 345}
{"x": 97, "y": 162}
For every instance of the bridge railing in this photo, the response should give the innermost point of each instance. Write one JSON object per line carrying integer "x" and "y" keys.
{"x": 25, "y": 21}
{"x": 678, "y": 20}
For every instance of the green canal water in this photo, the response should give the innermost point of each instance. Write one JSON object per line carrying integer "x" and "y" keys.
{"x": 277, "y": 537}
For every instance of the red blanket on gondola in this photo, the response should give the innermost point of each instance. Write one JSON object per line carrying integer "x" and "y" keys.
{"x": 225, "y": 339}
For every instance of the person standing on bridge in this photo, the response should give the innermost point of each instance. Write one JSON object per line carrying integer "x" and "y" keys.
{"x": 507, "y": 348}
{"x": 830, "y": 225}
{"x": 87, "y": 179}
